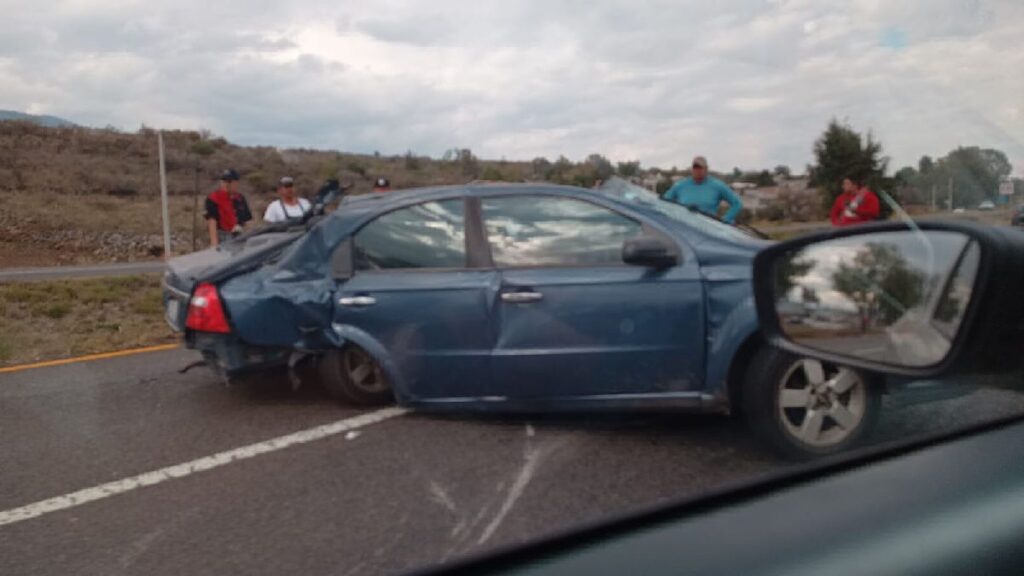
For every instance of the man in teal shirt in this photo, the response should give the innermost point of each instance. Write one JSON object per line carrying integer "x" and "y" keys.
{"x": 705, "y": 193}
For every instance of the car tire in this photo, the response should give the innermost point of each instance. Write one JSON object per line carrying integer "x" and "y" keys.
{"x": 803, "y": 408}
{"x": 354, "y": 377}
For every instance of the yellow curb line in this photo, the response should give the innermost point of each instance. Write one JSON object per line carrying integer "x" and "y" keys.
{"x": 89, "y": 357}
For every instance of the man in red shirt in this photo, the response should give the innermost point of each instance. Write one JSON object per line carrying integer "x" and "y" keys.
{"x": 226, "y": 209}
{"x": 855, "y": 205}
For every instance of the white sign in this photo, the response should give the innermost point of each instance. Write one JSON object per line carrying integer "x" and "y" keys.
{"x": 1006, "y": 188}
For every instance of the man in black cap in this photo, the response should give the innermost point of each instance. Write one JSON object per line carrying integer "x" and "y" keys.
{"x": 226, "y": 209}
{"x": 288, "y": 206}
{"x": 381, "y": 185}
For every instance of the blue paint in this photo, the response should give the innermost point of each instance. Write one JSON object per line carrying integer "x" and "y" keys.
{"x": 614, "y": 336}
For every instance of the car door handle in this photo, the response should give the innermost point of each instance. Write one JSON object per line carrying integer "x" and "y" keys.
{"x": 521, "y": 297}
{"x": 357, "y": 301}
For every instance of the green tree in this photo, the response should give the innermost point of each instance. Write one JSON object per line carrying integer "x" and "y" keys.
{"x": 539, "y": 167}
{"x": 599, "y": 167}
{"x": 468, "y": 163}
{"x": 493, "y": 173}
{"x": 788, "y": 273}
{"x": 412, "y": 163}
{"x": 628, "y": 169}
{"x": 782, "y": 171}
{"x": 559, "y": 172}
{"x": 906, "y": 176}
{"x": 974, "y": 172}
{"x": 925, "y": 165}
{"x": 841, "y": 152}
{"x": 880, "y": 279}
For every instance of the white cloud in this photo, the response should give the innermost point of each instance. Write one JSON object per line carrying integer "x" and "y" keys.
{"x": 747, "y": 83}
{"x": 751, "y": 104}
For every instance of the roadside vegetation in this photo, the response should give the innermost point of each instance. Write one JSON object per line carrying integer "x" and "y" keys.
{"x": 62, "y": 318}
{"x": 76, "y": 195}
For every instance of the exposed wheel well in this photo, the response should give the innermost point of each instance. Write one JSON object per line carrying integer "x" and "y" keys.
{"x": 738, "y": 369}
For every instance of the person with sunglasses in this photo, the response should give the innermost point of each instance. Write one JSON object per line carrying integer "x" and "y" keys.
{"x": 289, "y": 206}
{"x": 705, "y": 193}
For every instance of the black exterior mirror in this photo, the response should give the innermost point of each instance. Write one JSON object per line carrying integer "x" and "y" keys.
{"x": 900, "y": 299}
{"x": 649, "y": 251}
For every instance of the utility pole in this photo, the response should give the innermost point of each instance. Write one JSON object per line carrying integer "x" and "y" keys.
{"x": 951, "y": 193}
{"x": 933, "y": 197}
{"x": 163, "y": 197}
{"x": 195, "y": 202}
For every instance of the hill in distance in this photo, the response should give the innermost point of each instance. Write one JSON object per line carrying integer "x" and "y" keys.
{"x": 42, "y": 120}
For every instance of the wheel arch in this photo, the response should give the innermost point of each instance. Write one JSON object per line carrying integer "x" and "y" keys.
{"x": 738, "y": 368}
{"x": 346, "y": 335}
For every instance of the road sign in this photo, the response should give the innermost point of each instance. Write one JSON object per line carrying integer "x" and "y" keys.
{"x": 1006, "y": 188}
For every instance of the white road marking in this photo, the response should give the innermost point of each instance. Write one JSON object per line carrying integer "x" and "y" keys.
{"x": 531, "y": 459}
{"x": 200, "y": 465}
{"x": 440, "y": 495}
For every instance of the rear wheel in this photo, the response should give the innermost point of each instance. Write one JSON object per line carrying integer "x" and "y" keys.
{"x": 354, "y": 377}
{"x": 803, "y": 408}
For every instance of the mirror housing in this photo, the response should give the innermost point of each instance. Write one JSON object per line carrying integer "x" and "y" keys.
{"x": 651, "y": 251}
{"x": 859, "y": 320}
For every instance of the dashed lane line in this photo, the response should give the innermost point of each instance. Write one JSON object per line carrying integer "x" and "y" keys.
{"x": 182, "y": 470}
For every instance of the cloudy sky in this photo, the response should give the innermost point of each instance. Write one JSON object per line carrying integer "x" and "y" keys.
{"x": 749, "y": 83}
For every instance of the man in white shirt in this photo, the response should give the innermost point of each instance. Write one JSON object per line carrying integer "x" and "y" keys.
{"x": 289, "y": 206}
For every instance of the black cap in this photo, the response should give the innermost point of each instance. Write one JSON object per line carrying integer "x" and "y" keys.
{"x": 229, "y": 175}
{"x": 382, "y": 183}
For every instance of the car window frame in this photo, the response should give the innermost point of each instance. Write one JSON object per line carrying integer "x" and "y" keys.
{"x": 645, "y": 227}
{"x": 348, "y": 244}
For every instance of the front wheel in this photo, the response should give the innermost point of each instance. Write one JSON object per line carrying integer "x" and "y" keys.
{"x": 804, "y": 408}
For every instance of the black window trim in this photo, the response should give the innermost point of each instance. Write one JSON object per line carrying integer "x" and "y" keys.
{"x": 645, "y": 227}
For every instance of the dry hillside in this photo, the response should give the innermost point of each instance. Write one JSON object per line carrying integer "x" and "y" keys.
{"x": 75, "y": 195}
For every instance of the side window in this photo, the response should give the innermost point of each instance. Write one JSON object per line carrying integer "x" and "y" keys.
{"x": 551, "y": 231}
{"x": 429, "y": 235}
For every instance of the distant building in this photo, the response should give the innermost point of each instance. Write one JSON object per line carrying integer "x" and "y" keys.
{"x": 795, "y": 191}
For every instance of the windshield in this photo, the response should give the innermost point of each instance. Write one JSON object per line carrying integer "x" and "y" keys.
{"x": 634, "y": 194}
{"x": 358, "y": 288}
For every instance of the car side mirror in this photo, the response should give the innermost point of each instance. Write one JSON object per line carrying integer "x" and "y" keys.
{"x": 650, "y": 251}
{"x": 905, "y": 299}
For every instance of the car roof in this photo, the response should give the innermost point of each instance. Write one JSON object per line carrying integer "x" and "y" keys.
{"x": 471, "y": 189}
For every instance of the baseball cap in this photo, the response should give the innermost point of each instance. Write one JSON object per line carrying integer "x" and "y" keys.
{"x": 700, "y": 161}
{"x": 382, "y": 183}
{"x": 229, "y": 175}
{"x": 286, "y": 181}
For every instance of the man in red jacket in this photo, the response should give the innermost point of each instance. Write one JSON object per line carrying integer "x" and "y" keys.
{"x": 855, "y": 205}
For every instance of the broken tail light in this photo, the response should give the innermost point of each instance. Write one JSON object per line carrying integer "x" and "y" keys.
{"x": 206, "y": 311}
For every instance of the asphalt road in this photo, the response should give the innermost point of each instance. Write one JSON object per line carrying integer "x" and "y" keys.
{"x": 377, "y": 493}
{"x": 89, "y": 271}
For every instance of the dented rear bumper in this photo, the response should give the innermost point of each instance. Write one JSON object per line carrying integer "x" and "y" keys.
{"x": 229, "y": 355}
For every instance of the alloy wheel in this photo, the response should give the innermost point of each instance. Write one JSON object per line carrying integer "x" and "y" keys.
{"x": 821, "y": 405}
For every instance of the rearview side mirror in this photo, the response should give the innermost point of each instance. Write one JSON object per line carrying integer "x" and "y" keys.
{"x": 650, "y": 251}
{"x": 911, "y": 300}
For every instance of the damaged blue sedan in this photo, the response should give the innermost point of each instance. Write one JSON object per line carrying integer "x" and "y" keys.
{"x": 524, "y": 297}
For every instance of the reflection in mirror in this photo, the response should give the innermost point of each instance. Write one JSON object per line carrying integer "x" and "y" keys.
{"x": 892, "y": 297}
